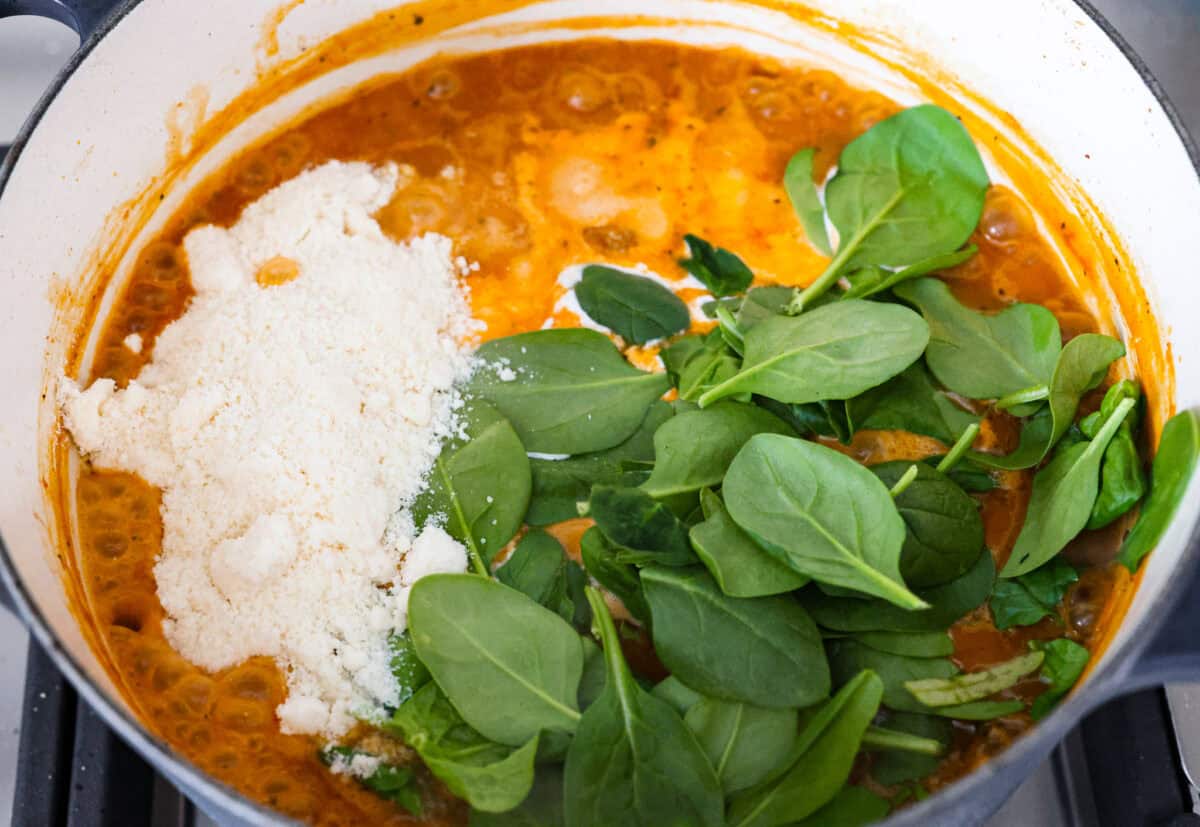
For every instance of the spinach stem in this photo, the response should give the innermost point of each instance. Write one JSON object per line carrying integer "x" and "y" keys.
{"x": 729, "y": 329}
{"x": 960, "y": 447}
{"x": 905, "y": 481}
{"x": 1032, "y": 394}
{"x": 880, "y": 738}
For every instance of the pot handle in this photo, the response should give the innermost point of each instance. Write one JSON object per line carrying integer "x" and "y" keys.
{"x": 84, "y": 16}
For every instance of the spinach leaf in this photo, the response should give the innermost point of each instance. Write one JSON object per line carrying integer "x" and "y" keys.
{"x": 1025, "y": 600}
{"x": 592, "y": 682}
{"x": 912, "y": 644}
{"x": 764, "y": 651}
{"x": 835, "y": 352}
{"x": 909, "y": 402}
{"x": 1062, "y": 498}
{"x": 543, "y": 807}
{"x": 472, "y": 632}
{"x": 713, "y": 364}
{"x": 490, "y": 777}
{"x": 745, "y": 743}
{"x": 480, "y": 485}
{"x": 947, "y": 603}
{"x": 873, "y": 280}
{"x": 1122, "y": 481}
{"x": 636, "y": 308}
{"x": 675, "y": 355}
{"x": 1174, "y": 463}
{"x": 891, "y": 767}
{"x": 693, "y": 450}
{"x": 719, "y": 270}
{"x": 824, "y": 755}
{"x": 633, "y": 760}
{"x": 825, "y": 418}
{"x": 974, "y": 686}
{"x": 848, "y": 657}
{"x": 560, "y": 485}
{"x": 679, "y": 696}
{"x": 982, "y": 356}
{"x": 943, "y": 528}
{"x": 632, "y": 518}
{"x": 538, "y": 569}
{"x": 820, "y": 512}
{"x": 740, "y": 567}
{"x": 621, "y": 579}
{"x": 1064, "y": 663}
{"x": 762, "y": 303}
{"x": 910, "y": 188}
{"x": 388, "y": 781}
{"x": 406, "y": 667}
{"x": 851, "y": 807}
{"x": 565, "y": 391}
{"x": 802, "y": 192}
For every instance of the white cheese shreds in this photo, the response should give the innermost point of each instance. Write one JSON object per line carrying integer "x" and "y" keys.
{"x": 133, "y": 342}
{"x": 286, "y": 425}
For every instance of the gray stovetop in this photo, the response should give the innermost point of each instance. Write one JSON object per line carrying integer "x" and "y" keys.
{"x": 1165, "y": 32}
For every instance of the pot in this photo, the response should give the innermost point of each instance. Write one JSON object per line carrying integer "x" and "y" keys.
{"x": 87, "y": 176}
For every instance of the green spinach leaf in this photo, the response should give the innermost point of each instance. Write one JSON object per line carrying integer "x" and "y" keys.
{"x": 543, "y": 807}
{"x": 912, "y": 644}
{"x": 719, "y": 270}
{"x": 764, "y": 651}
{"x": 565, "y": 391}
{"x": 834, "y": 352}
{"x": 621, "y": 579}
{"x": 406, "y": 667}
{"x": 909, "y": 402}
{"x": 820, "y": 512}
{"x": 538, "y": 568}
{"x": 1174, "y": 463}
{"x": 851, "y": 807}
{"x": 891, "y": 767}
{"x": 677, "y": 694}
{"x": 1122, "y": 481}
{"x": 974, "y": 686}
{"x": 634, "y": 307}
{"x": 472, "y": 632}
{"x": 1025, "y": 600}
{"x": 388, "y": 781}
{"x": 802, "y": 192}
{"x": 631, "y": 518}
{"x": 848, "y": 657}
{"x": 1064, "y": 663}
{"x": 762, "y": 303}
{"x": 740, "y": 567}
{"x": 825, "y": 418}
{"x": 745, "y": 743}
{"x": 633, "y": 760}
{"x": 713, "y": 364}
{"x": 870, "y": 281}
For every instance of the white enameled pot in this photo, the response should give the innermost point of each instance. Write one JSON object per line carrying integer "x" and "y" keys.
{"x": 125, "y": 117}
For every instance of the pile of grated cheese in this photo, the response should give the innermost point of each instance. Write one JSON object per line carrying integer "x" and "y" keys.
{"x": 288, "y": 420}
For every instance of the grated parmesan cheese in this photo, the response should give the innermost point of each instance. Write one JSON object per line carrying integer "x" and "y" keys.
{"x": 287, "y": 423}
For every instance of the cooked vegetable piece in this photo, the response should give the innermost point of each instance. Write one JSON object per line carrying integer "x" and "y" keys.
{"x": 944, "y": 530}
{"x": 745, "y": 743}
{"x": 490, "y": 777}
{"x": 908, "y": 189}
{"x": 973, "y": 686}
{"x": 1172, "y": 471}
{"x": 538, "y": 568}
{"x": 473, "y": 632}
{"x": 802, "y": 192}
{"x": 764, "y": 651}
{"x": 599, "y": 557}
{"x": 565, "y": 391}
{"x": 1062, "y": 498}
{"x": 633, "y": 760}
{"x": 636, "y": 308}
{"x": 824, "y": 754}
{"x": 1025, "y": 600}
{"x": 909, "y": 402}
{"x": 719, "y": 270}
{"x": 739, "y": 565}
{"x": 389, "y": 782}
{"x": 834, "y": 352}
{"x": 1064, "y": 663}
{"x": 479, "y": 484}
{"x": 693, "y": 450}
{"x": 633, "y": 519}
{"x": 820, "y": 512}
{"x": 406, "y": 667}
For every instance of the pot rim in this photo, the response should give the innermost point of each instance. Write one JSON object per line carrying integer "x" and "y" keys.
{"x": 1101, "y": 685}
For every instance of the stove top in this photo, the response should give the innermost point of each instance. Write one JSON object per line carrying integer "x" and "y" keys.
{"x": 1134, "y": 762}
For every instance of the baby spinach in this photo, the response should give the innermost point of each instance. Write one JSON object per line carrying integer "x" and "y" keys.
{"x": 909, "y": 188}
{"x": 909, "y": 402}
{"x": 820, "y": 512}
{"x": 848, "y": 657}
{"x": 708, "y": 367}
{"x": 389, "y": 782}
{"x": 891, "y": 767}
{"x": 677, "y": 694}
{"x": 633, "y": 519}
{"x": 851, "y": 807}
{"x": 802, "y": 192}
{"x": 1122, "y": 481}
{"x": 490, "y": 777}
{"x": 1064, "y": 663}
{"x": 565, "y": 391}
{"x": 1062, "y": 498}
{"x": 480, "y": 484}
{"x": 621, "y": 579}
{"x": 675, "y": 355}
{"x": 472, "y": 632}
{"x": 543, "y": 807}
{"x": 406, "y": 667}
{"x": 745, "y": 743}
{"x": 538, "y": 569}
{"x": 834, "y": 352}
{"x": 825, "y": 418}
{"x": 870, "y": 281}
{"x": 1025, "y": 600}
{"x": 984, "y": 356}
{"x": 740, "y": 567}
{"x": 719, "y": 270}
{"x": 693, "y": 450}
{"x": 947, "y": 603}
{"x": 912, "y": 644}
{"x": 1174, "y": 463}
{"x": 634, "y": 307}
{"x": 823, "y": 754}
{"x": 764, "y": 650}
{"x": 559, "y": 485}
{"x": 974, "y": 686}
{"x": 633, "y": 760}
{"x": 944, "y": 531}
{"x": 762, "y": 303}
